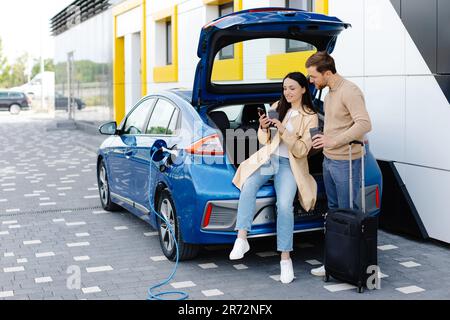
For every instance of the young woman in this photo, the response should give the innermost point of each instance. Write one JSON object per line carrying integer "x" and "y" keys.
{"x": 285, "y": 158}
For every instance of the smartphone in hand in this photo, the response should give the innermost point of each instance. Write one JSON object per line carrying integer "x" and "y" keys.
{"x": 261, "y": 111}
{"x": 273, "y": 114}
{"x": 315, "y": 131}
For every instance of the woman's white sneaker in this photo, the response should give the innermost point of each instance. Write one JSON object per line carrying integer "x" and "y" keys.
{"x": 287, "y": 271}
{"x": 318, "y": 272}
{"x": 241, "y": 247}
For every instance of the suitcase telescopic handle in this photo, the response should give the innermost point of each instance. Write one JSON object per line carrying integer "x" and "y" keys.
{"x": 363, "y": 180}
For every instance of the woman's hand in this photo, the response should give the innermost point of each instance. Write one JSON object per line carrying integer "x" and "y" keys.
{"x": 278, "y": 125}
{"x": 264, "y": 122}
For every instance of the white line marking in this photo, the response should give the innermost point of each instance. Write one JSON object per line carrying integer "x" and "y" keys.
{"x": 184, "y": 284}
{"x": 10, "y": 222}
{"x": 78, "y": 244}
{"x": 410, "y": 264}
{"x": 212, "y": 293}
{"x": 13, "y": 269}
{"x": 159, "y": 258}
{"x": 6, "y": 294}
{"x": 30, "y": 242}
{"x": 43, "y": 280}
{"x": 81, "y": 258}
{"x": 91, "y": 290}
{"x": 339, "y": 287}
{"x": 72, "y": 224}
{"x": 208, "y": 266}
{"x": 99, "y": 269}
{"x": 80, "y": 235}
{"x": 45, "y": 254}
{"x": 410, "y": 289}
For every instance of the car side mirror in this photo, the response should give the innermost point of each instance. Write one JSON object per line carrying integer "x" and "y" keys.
{"x": 108, "y": 129}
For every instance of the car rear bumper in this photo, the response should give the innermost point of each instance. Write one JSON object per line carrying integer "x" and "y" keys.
{"x": 219, "y": 221}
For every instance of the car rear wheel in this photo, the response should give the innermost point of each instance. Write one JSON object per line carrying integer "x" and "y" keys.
{"x": 166, "y": 208}
{"x": 14, "y": 109}
{"x": 103, "y": 188}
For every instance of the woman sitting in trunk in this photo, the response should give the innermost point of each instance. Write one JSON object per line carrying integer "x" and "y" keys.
{"x": 285, "y": 158}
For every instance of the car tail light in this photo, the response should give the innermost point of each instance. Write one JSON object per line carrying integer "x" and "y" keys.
{"x": 207, "y": 215}
{"x": 209, "y": 145}
{"x": 28, "y": 100}
{"x": 377, "y": 197}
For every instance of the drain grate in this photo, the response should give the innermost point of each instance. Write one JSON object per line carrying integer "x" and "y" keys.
{"x": 16, "y": 214}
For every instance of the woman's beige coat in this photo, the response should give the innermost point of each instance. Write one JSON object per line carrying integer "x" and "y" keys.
{"x": 299, "y": 144}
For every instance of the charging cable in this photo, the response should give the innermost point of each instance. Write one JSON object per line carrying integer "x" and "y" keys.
{"x": 157, "y": 296}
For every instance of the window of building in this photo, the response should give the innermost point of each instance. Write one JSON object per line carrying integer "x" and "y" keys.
{"x": 169, "y": 42}
{"x": 136, "y": 120}
{"x": 227, "y": 52}
{"x": 161, "y": 120}
{"x": 294, "y": 45}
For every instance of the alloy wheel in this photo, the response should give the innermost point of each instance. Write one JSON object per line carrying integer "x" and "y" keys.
{"x": 166, "y": 237}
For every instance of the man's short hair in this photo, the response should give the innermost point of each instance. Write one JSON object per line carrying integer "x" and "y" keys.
{"x": 322, "y": 61}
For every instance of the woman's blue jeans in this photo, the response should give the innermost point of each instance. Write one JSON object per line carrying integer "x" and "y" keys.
{"x": 286, "y": 190}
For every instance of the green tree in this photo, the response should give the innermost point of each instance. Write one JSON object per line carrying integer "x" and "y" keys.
{"x": 18, "y": 71}
{"x": 49, "y": 65}
{"x": 4, "y": 68}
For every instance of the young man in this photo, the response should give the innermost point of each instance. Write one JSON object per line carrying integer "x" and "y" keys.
{"x": 346, "y": 120}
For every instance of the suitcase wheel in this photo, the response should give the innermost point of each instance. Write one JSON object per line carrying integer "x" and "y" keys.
{"x": 360, "y": 288}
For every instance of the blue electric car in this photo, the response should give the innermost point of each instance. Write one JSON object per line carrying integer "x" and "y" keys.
{"x": 176, "y": 152}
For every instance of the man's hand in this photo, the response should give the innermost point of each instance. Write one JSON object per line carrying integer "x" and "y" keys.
{"x": 320, "y": 141}
{"x": 264, "y": 122}
{"x": 278, "y": 125}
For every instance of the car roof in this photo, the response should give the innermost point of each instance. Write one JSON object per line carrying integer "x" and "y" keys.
{"x": 185, "y": 94}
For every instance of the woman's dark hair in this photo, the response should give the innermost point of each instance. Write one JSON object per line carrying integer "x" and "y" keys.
{"x": 284, "y": 105}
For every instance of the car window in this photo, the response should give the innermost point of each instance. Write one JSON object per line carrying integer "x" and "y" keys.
{"x": 15, "y": 95}
{"x": 173, "y": 123}
{"x": 161, "y": 118}
{"x": 3, "y": 95}
{"x": 232, "y": 112}
{"x": 136, "y": 119}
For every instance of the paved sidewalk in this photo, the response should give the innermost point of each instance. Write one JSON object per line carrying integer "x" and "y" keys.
{"x": 52, "y": 227}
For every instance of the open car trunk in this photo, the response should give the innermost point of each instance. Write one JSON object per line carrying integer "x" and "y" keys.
{"x": 239, "y": 137}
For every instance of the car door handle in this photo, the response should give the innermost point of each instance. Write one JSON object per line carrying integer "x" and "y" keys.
{"x": 118, "y": 151}
{"x": 128, "y": 153}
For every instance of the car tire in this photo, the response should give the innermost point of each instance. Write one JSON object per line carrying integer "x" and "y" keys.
{"x": 166, "y": 208}
{"x": 14, "y": 109}
{"x": 103, "y": 188}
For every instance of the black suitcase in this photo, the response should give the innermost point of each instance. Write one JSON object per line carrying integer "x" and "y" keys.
{"x": 351, "y": 239}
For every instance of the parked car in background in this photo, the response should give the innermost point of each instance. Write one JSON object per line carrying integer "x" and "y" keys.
{"x": 61, "y": 102}
{"x": 14, "y": 102}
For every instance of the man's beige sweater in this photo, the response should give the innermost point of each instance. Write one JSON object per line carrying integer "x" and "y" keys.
{"x": 346, "y": 119}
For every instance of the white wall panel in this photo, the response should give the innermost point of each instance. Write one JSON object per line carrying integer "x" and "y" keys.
{"x": 414, "y": 62}
{"x": 427, "y": 123}
{"x": 129, "y": 22}
{"x": 188, "y": 39}
{"x": 349, "y": 51}
{"x": 132, "y": 70}
{"x": 429, "y": 189}
{"x": 384, "y": 39}
{"x": 385, "y": 101}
